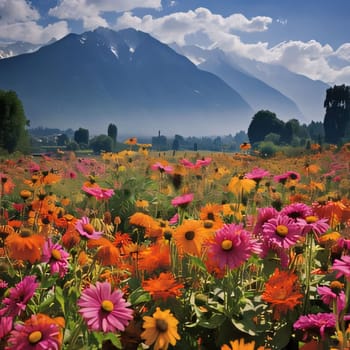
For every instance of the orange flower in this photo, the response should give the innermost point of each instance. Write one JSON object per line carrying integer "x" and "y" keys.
{"x": 245, "y": 146}
{"x": 211, "y": 212}
{"x": 282, "y": 291}
{"x": 154, "y": 257}
{"x": 25, "y": 245}
{"x": 107, "y": 253}
{"x": 147, "y": 222}
{"x": 163, "y": 287}
{"x": 240, "y": 345}
{"x": 131, "y": 141}
{"x": 71, "y": 237}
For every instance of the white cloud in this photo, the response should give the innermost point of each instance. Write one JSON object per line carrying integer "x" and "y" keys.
{"x": 32, "y": 32}
{"x": 311, "y": 58}
{"x": 91, "y": 12}
{"x": 13, "y": 11}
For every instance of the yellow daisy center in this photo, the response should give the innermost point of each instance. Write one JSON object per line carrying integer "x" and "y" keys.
{"x": 88, "y": 228}
{"x": 311, "y": 219}
{"x": 189, "y": 235}
{"x": 282, "y": 230}
{"x": 35, "y": 337}
{"x": 56, "y": 254}
{"x": 161, "y": 325}
{"x": 226, "y": 244}
{"x": 107, "y": 305}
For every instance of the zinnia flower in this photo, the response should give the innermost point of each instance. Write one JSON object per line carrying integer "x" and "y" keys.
{"x": 37, "y": 333}
{"x": 316, "y": 324}
{"x": 163, "y": 287}
{"x": 232, "y": 246}
{"x": 19, "y": 296}
{"x": 103, "y": 309}
{"x": 56, "y": 256}
{"x": 281, "y": 231}
{"x": 282, "y": 291}
{"x": 84, "y": 227}
{"x": 160, "y": 329}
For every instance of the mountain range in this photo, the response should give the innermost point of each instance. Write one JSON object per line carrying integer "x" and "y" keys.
{"x": 144, "y": 86}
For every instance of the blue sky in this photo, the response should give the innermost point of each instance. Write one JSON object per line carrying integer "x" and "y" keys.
{"x": 306, "y": 36}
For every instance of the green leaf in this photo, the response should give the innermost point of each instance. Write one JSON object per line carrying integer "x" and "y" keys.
{"x": 139, "y": 296}
{"x": 60, "y": 298}
{"x": 114, "y": 339}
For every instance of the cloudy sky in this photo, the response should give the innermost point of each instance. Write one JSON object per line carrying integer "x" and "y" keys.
{"x": 310, "y": 37}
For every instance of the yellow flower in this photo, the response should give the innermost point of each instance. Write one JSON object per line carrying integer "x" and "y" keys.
{"x": 160, "y": 329}
{"x": 240, "y": 345}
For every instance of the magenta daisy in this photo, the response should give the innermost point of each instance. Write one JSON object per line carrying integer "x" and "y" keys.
{"x": 5, "y": 326}
{"x": 281, "y": 231}
{"x": 19, "y": 296}
{"x": 257, "y": 174}
{"x": 232, "y": 246}
{"x": 264, "y": 214}
{"x": 316, "y": 324}
{"x": 162, "y": 168}
{"x": 342, "y": 267}
{"x": 314, "y": 224}
{"x": 104, "y": 310}
{"x": 86, "y": 230}
{"x": 182, "y": 201}
{"x": 297, "y": 210}
{"x": 334, "y": 293}
{"x": 202, "y": 162}
{"x": 98, "y": 192}
{"x": 56, "y": 256}
{"x": 37, "y": 333}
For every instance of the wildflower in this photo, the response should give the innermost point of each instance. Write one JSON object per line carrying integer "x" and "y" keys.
{"x": 211, "y": 212}
{"x": 86, "y": 230}
{"x": 5, "y": 326}
{"x": 281, "y": 231}
{"x": 342, "y": 266}
{"x": 38, "y": 332}
{"x": 297, "y": 210}
{"x": 282, "y": 291}
{"x": 245, "y": 146}
{"x": 232, "y": 246}
{"x": 316, "y": 324}
{"x": 56, "y": 256}
{"x": 103, "y": 309}
{"x": 257, "y": 174}
{"x": 163, "y": 287}
{"x": 332, "y": 293}
{"x": 187, "y": 238}
{"x": 107, "y": 253}
{"x": 314, "y": 224}
{"x": 98, "y": 192}
{"x": 19, "y": 296}
{"x": 182, "y": 201}
{"x": 154, "y": 257}
{"x": 131, "y": 141}
{"x": 25, "y": 245}
{"x": 240, "y": 345}
{"x": 160, "y": 329}
{"x": 264, "y": 214}
{"x": 71, "y": 237}
{"x": 163, "y": 168}
{"x": 239, "y": 185}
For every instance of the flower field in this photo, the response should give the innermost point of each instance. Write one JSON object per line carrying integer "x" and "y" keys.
{"x": 187, "y": 250}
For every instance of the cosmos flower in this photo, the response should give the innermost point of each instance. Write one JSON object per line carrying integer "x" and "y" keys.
{"x": 86, "y": 230}
{"x": 316, "y": 324}
{"x": 103, "y": 309}
{"x": 160, "y": 329}
{"x": 163, "y": 287}
{"x": 37, "y": 333}
{"x": 282, "y": 292}
{"x": 281, "y": 231}
{"x": 56, "y": 256}
{"x": 232, "y": 246}
{"x": 19, "y": 296}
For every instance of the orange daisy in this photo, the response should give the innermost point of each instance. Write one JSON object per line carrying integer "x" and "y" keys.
{"x": 163, "y": 287}
{"x": 211, "y": 212}
{"x": 107, "y": 253}
{"x": 155, "y": 257}
{"x": 282, "y": 291}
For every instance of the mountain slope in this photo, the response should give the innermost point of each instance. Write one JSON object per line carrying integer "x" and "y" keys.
{"x": 126, "y": 77}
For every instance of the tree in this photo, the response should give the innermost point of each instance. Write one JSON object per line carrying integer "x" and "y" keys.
{"x": 263, "y": 123}
{"x": 101, "y": 143}
{"x": 337, "y": 117}
{"x": 81, "y": 136}
{"x": 13, "y": 133}
{"x": 112, "y": 132}
{"x": 62, "y": 140}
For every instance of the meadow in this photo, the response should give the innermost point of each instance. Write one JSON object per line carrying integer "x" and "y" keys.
{"x": 175, "y": 250}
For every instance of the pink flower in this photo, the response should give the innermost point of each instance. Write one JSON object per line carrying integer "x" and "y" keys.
{"x": 19, "y": 296}
{"x": 162, "y": 168}
{"x": 264, "y": 214}
{"x": 86, "y": 230}
{"x": 316, "y": 324}
{"x": 98, "y": 192}
{"x": 328, "y": 296}
{"x": 35, "y": 334}
{"x": 174, "y": 220}
{"x": 104, "y": 310}
{"x": 312, "y": 223}
{"x": 297, "y": 210}
{"x": 232, "y": 246}
{"x": 202, "y": 162}
{"x": 281, "y": 231}
{"x": 342, "y": 267}
{"x": 182, "y": 201}
{"x": 5, "y": 326}
{"x": 257, "y": 174}
{"x": 56, "y": 256}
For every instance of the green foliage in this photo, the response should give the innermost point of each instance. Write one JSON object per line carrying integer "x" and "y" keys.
{"x": 81, "y": 136}
{"x": 267, "y": 149}
{"x": 112, "y": 132}
{"x": 13, "y": 133}
{"x": 101, "y": 143}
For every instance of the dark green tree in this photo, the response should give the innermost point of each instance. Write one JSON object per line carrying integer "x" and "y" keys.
{"x": 263, "y": 123}
{"x": 13, "y": 123}
{"x": 81, "y": 136}
{"x": 101, "y": 143}
{"x": 62, "y": 140}
{"x": 337, "y": 117}
{"x": 112, "y": 132}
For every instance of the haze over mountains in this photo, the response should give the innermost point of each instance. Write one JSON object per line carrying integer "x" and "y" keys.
{"x": 142, "y": 85}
